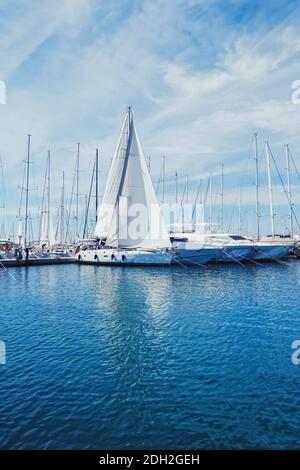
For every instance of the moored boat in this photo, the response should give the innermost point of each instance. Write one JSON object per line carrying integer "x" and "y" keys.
{"x": 232, "y": 247}
{"x": 192, "y": 251}
{"x": 269, "y": 249}
{"x": 130, "y": 227}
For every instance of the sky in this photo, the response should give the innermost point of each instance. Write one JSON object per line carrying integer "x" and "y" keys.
{"x": 201, "y": 76}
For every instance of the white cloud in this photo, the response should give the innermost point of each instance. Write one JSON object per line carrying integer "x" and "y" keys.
{"x": 72, "y": 67}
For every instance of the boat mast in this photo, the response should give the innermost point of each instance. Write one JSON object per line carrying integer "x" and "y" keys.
{"x": 62, "y": 210}
{"x": 186, "y": 219}
{"x": 97, "y": 182}
{"x": 272, "y": 214}
{"x": 30, "y": 228}
{"x": 287, "y": 157}
{"x": 163, "y": 178}
{"x": 256, "y": 187}
{"x": 88, "y": 202}
{"x": 68, "y": 235}
{"x": 48, "y": 201}
{"x": 210, "y": 202}
{"x": 222, "y": 199}
{"x": 187, "y": 189}
{"x": 240, "y": 211}
{"x": 194, "y": 211}
{"x": 77, "y": 193}
{"x": 27, "y": 191}
{"x": 3, "y": 206}
{"x": 182, "y": 209}
{"x": 127, "y": 150}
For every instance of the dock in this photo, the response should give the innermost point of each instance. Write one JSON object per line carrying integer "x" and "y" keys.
{"x": 13, "y": 262}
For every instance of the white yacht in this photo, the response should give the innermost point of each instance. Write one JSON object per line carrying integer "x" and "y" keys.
{"x": 197, "y": 248}
{"x": 241, "y": 248}
{"x": 232, "y": 247}
{"x": 271, "y": 249}
{"x": 192, "y": 250}
{"x": 130, "y": 225}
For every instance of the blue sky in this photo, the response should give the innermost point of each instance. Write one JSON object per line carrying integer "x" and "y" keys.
{"x": 201, "y": 75}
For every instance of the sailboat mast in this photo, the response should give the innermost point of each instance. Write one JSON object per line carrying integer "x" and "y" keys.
{"x": 3, "y": 206}
{"x": 127, "y": 151}
{"x": 272, "y": 215}
{"x": 97, "y": 182}
{"x": 222, "y": 199}
{"x": 163, "y": 178}
{"x": 194, "y": 211}
{"x": 48, "y": 201}
{"x": 287, "y": 157}
{"x": 27, "y": 191}
{"x": 62, "y": 209}
{"x": 240, "y": 211}
{"x": 256, "y": 187}
{"x": 88, "y": 200}
{"x": 210, "y": 202}
{"x": 187, "y": 189}
{"x": 77, "y": 193}
{"x": 182, "y": 208}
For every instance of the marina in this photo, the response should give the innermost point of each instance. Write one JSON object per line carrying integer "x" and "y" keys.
{"x": 120, "y": 236}
{"x": 149, "y": 232}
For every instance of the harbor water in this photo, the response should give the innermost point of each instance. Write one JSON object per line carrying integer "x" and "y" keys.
{"x": 137, "y": 358}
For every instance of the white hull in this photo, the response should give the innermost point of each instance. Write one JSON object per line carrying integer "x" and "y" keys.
{"x": 115, "y": 257}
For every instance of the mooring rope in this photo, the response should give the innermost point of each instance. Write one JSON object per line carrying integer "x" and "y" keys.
{"x": 235, "y": 259}
{"x": 196, "y": 264}
{"x": 5, "y": 269}
{"x": 273, "y": 259}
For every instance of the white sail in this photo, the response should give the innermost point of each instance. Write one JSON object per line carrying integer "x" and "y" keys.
{"x": 19, "y": 232}
{"x": 47, "y": 233}
{"x": 107, "y": 206}
{"x": 129, "y": 215}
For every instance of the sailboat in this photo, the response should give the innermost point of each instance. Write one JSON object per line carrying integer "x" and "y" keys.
{"x": 47, "y": 234}
{"x": 130, "y": 226}
{"x": 272, "y": 247}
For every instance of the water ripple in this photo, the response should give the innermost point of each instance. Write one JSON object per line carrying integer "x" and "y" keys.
{"x": 150, "y": 358}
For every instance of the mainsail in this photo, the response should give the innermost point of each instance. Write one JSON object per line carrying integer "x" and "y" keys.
{"x": 129, "y": 215}
{"x": 47, "y": 233}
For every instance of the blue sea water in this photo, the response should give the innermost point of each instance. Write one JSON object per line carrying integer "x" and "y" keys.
{"x": 101, "y": 357}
